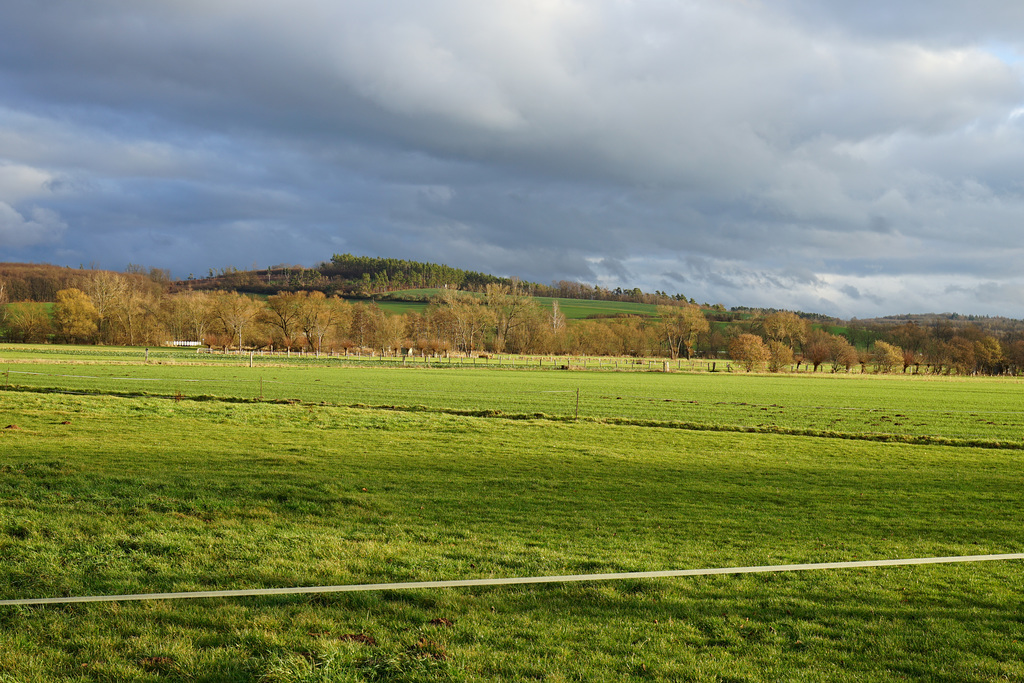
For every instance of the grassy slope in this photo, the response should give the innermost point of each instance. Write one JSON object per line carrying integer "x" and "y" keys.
{"x": 575, "y": 309}
{"x": 144, "y": 494}
{"x": 572, "y": 309}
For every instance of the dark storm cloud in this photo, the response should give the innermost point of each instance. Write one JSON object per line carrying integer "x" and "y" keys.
{"x": 795, "y": 154}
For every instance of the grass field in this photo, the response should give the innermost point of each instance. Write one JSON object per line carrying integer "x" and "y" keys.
{"x": 979, "y": 411}
{"x": 576, "y": 309}
{"x": 114, "y": 494}
{"x": 572, "y": 309}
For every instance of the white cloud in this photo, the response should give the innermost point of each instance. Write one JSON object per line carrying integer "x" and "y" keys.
{"x": 41, "y": 227}
{"x": 19, "y": 182}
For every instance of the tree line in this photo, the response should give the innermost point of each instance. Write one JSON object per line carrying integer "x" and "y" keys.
{"x": 112, "y": 308}
{"x": 783, "y": 339}
{"x": 142, "y": 307}
{"x": 366, "y": 276}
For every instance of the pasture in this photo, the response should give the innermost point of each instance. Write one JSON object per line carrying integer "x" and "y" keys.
{"x": 121, "y": 477}
{"x": 573, "y": 309}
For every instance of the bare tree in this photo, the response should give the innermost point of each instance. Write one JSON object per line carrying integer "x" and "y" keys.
{"x": 317, "y": 315}
{"x": 786, "y": 327}
{"x": 557, "y": 318}
{"x": 509, "y": 307}
{"x": 236, "y": 312}
{"x": 680, "y": 327}
{"x": 28, "y": 322}
{"x": 128, "y": 316}
{"x": 197, "y": 311}
{"x": 284, "y": 311}
{"x": 463, "y": 318}
{"x": 106, "y": 291}
{"x": 3, "y": 302}
{"x": 390, "y": 332}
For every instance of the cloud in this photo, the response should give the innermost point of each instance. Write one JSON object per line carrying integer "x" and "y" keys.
{"x": 40, "y": 228}
{"x": 787, "y": 153}
{"x": 19, "y": 182}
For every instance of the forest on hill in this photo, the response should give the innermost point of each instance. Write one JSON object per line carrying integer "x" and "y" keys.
{"x": 329, "y": 308}
{"x": 373, "y": 277}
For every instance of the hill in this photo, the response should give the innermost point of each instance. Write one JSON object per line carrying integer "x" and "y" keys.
{"x": 400, "y": 285}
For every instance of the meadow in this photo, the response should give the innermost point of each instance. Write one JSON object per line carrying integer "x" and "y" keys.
{"x": 981, "y": 411}
{"x": 416, "y": 300}
{"x": 120, "y": 477}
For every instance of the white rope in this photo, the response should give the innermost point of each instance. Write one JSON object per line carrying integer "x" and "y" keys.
{"x": 511, "y": 581}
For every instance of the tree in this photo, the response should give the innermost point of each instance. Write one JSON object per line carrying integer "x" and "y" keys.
{"x": 462, "y": 318}
{"x": 362, "y": 327}
{"x": 749, "y": 350}
{"x": 937, "y": 355}
{"x": 785, "y": 326}
{"x": 680, "y": 327}
{"x": 317, "y": 315}
{"x": 780, "y": 356}
{"x": 3, "y": 303}
{"x": 106, "y": 291}
{"x": 1014, "y": 355}
{"x": 131, "y": 317}
{"x": 236, "y": 312}
{"x": 28, "y": 323}
{"x": 818, "y": 347}
{"x": 197, "y": 315}
{"x": 390, "y": 332}
{"x": 509, "y": 307}
{"x": 636, "y": 337}
{"x": 886, "y": 356}
{"x": 589, "y": 337}
{"x": 712, "y": 343}
{"x": 962, "y": 357}
{"x": 909, "y": 336}
{"x": 910, "y": 358}
{"x": 74, "y": 316}
{"x": 283, "y": 312}
{"x": 534, "y": 334}
{"x": 841, "y": 353}
{"x": 988, "y": 355}
{"x": 557, "y": 318}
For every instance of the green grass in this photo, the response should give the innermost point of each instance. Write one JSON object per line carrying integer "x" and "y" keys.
{"x": 572, "y": 309}
{"x": 414, "y": 294}
{"x": 109, "y": 495}
{"x": 402, "y": 307}
{"x": 192, "y": 505}
{"x": 978, "y": 411}
{"x": 578, "y": 309}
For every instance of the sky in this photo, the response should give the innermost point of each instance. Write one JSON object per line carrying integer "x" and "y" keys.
{"x": 854, "y": 159}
